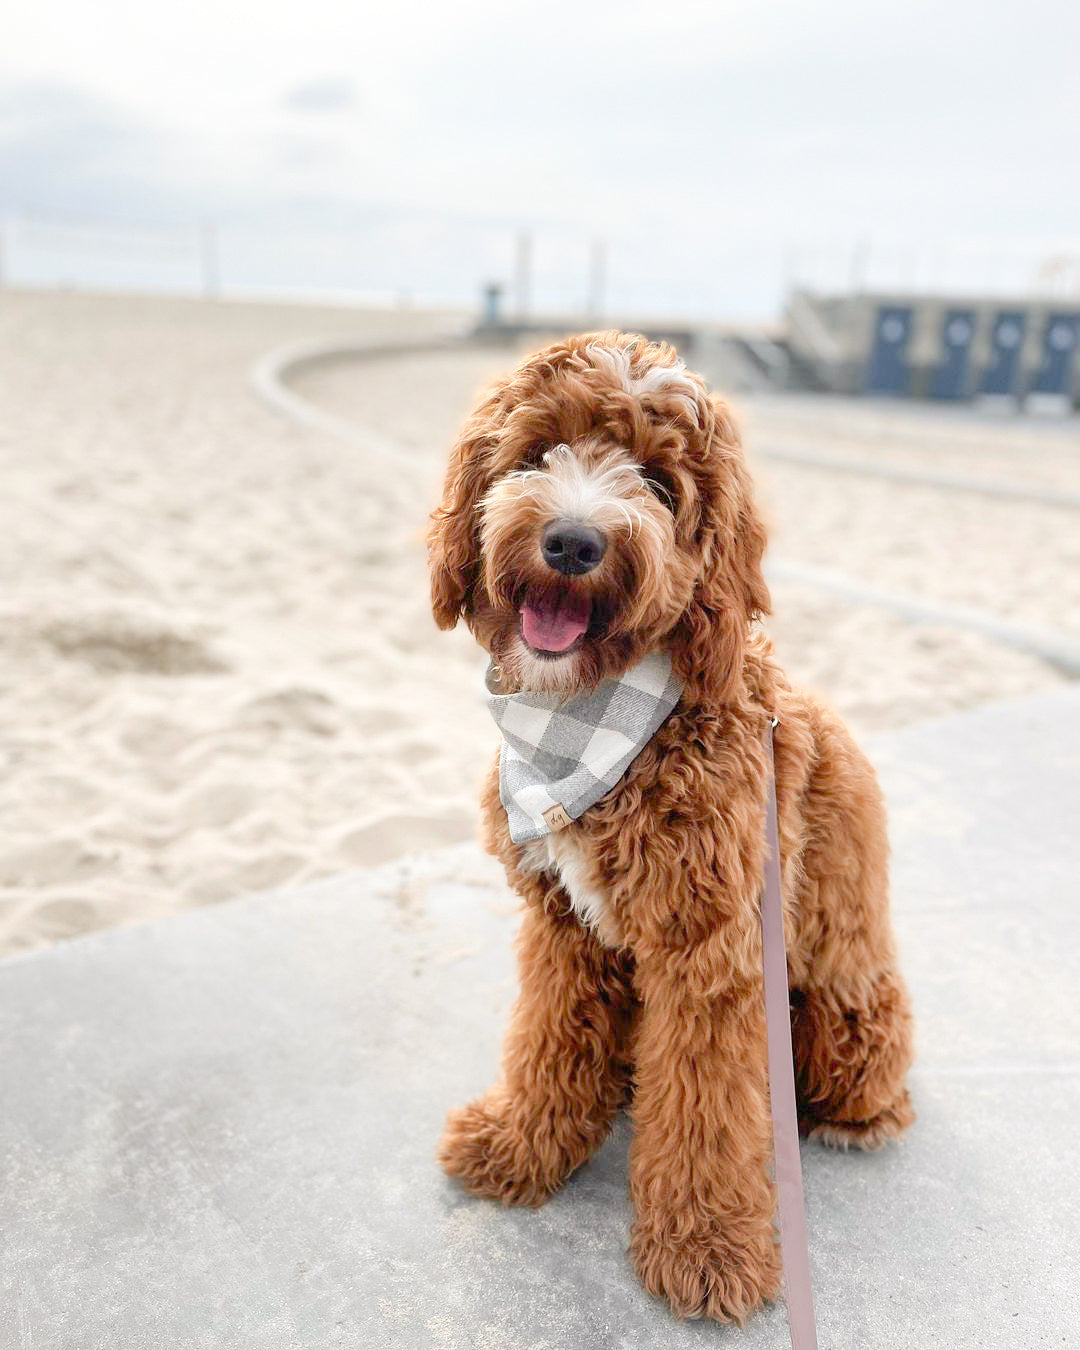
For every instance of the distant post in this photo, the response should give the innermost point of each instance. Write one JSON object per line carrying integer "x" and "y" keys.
{"x": 860, "y": 259}
{"x": 594, "y": 307}
{"x": 211, "y": 267}
{"x": 492, "y": 294}
{"x": 523, "y": 274}
{"x": 789, "y": 267}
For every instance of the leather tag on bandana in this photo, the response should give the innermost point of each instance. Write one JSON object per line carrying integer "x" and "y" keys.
{"x": 556, "y": 818}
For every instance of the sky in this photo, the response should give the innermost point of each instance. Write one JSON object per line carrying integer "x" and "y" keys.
{"x": 716, "y": 150}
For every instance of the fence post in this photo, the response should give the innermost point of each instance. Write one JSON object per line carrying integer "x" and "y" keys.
{"x": 211, "y": 268}
{"x": 594, "y": 307}
{"x": 523, "y": 276}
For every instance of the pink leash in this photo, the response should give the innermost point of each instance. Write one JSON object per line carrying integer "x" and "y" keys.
{"x": 785, "y": 1121}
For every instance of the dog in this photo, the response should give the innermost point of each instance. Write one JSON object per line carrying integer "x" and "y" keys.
{"x": 597, "y": 513}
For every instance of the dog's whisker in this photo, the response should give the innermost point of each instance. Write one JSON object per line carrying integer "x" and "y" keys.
{"x": 629, "y": 514}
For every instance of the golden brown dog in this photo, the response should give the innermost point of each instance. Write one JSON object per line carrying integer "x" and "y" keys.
{"x": 597, "y": 507}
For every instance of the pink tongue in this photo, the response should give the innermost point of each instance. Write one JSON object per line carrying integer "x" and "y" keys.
{"x": 554, "y": 625}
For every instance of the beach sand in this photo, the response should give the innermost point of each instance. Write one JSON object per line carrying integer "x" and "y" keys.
{"x": 218, "y": 672}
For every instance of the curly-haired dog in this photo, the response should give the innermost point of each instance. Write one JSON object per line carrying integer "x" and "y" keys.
{"x": 597, "y": 510}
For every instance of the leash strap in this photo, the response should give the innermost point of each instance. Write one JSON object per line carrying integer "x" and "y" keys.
{"x": 785, "y": 1122}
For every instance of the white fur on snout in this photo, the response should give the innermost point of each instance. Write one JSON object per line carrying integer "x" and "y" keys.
{"x": 605, "y": 494}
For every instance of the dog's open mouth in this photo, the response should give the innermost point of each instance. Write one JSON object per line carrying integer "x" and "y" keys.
{"x": 554, "y": 622}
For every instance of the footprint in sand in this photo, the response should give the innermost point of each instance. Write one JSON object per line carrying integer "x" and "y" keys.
{"x": 114, "y": 641}
{"x": 55, "y": 860}
{"x": 414, "y": 751}
{"x": 295, "y": 708}
{"x": 379, "y": 720}
{"x": 66, "y": 917}
{"x": 391, "y": 836}
{"x": 245, "y": 875}
{"x": 213, "y": 805}
{"x": 149, "y": 734}
{"x": 59, "y": 794}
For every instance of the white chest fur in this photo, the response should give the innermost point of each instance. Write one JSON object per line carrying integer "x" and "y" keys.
{"x": 561, "y": 854}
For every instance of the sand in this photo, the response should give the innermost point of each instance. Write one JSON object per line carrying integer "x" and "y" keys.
{"x": 218, "y": 673}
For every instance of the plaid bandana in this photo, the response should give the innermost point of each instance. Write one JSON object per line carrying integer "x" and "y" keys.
{"x": 560, "y": 756}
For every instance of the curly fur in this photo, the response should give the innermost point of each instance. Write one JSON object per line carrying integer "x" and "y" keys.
{"x": 659, "y": 1004}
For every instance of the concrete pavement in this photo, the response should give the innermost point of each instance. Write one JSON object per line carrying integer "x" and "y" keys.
{"x": 217, "y": 1130}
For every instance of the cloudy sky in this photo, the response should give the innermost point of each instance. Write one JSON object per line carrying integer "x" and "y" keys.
{"x": 402, "y": 147}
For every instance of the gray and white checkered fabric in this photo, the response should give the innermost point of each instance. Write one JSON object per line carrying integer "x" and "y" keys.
{"x": 560, "y": 756}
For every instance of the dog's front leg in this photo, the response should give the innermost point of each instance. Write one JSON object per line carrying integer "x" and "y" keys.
{"x": 702, "y": 1233}
{"x": 563, "y": 1072}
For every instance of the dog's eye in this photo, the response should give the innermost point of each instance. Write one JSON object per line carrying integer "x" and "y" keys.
{"x": 533, "y": 457}
{"x": 662, "y": 485}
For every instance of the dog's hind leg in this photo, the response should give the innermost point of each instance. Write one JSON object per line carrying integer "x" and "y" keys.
{"x": 564, "y": 1071}
{"x": 851, "y": 1018}
{"x": 852, "y": 1055}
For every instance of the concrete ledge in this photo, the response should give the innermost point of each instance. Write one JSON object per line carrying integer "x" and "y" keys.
{"x": 1060, "y": 650}
{"x": 269, "y": 378}
{"x": 217, "y": 1130}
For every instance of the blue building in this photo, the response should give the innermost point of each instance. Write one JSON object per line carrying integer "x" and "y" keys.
{"x": 937, "y": 347}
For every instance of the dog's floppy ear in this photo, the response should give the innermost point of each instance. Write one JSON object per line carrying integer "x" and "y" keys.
{"x": 710, "y": 639}
{"x": 453, "y": 538}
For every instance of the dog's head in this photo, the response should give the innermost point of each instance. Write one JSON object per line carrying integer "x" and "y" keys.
{"x": 596, "y": 507}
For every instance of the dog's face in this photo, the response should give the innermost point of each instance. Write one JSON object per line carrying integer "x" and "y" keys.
{"x": 597, "y": 507}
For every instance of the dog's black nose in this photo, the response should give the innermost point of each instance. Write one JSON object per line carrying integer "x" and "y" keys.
{"x": 572, "y": 548}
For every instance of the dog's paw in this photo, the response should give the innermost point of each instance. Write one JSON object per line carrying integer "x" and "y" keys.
{"x": 865, "y": 1134}
{"x": 706, "y": 1276}
{"x": 491, "y": 1158}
